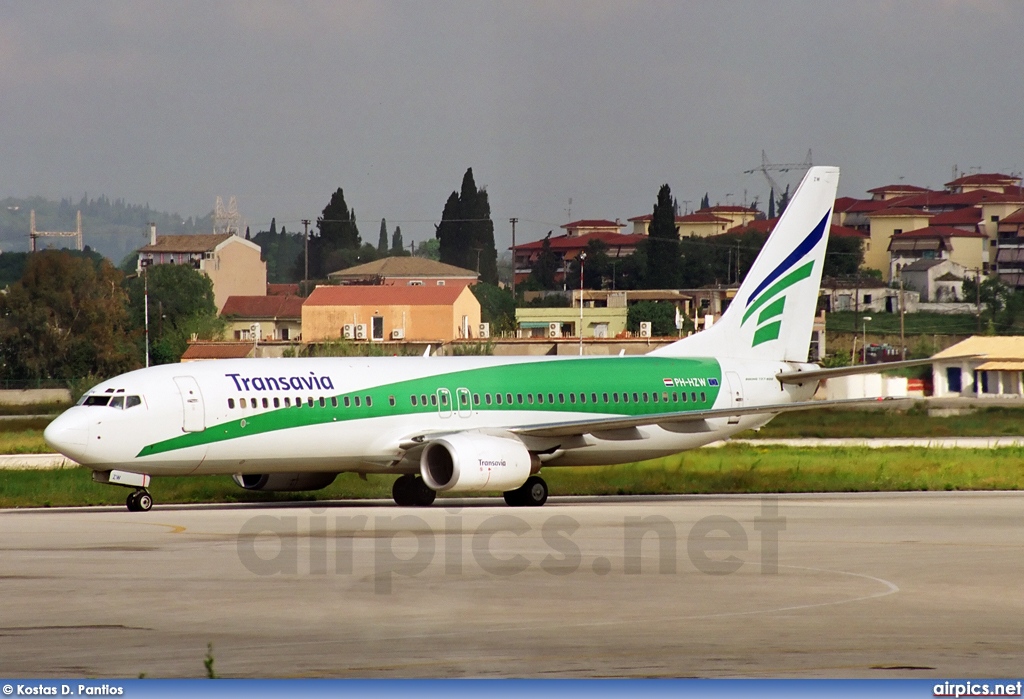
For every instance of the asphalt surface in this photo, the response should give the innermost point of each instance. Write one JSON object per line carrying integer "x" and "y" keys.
{"x": 880, "y": 585}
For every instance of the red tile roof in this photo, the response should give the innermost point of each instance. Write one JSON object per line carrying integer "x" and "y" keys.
{"x": 384, "y": 295}
{"x": 649, "y": 217}
{"x": 866, "y": 205}
{"x": 939, "y": 232}
{"x": 898, "y": 211}
{"x": 844, "y": 203}
{"x": 217, "y": 350}
{"x": 886, "y": 189}
{"x": 1016, "y": 217}
{"x": 767, "y": 226}
{"x": 942, "y": 199}
{"x": 263, "y": 307}
{"x": 282, "y": 289}
{"x": 967, "y": 216}
{"x": 702, "y": 217}
{"x": 563, "y": 243}
{"x": 993, "y": 178}
{"x": 727, "y": 209}
{"x": 593, "y": 223}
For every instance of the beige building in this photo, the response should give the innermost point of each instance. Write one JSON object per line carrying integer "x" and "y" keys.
{"x": 606, "y": 322}
{"x": 969, "y": 249}
{"x": 980, "y": 366}
{"x": 886, "y": 223}
{"x": 277, "y": 318}
{"x": 384, "y": 313}
{"x": 231, "y": 262}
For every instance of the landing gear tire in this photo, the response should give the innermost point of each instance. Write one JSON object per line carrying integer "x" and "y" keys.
{"x": 532, "y": 493}
{"x": 410, "y": 491}
{"x": 139, "y": 501}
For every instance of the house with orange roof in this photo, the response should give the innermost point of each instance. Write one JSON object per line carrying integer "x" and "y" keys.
{"x": 278, "y": 318}
{"x": 967, "y": 248}
{"x": 383, "y": 313}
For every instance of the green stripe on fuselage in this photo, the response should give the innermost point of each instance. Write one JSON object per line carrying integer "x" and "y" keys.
{"x": 587, "y": 375}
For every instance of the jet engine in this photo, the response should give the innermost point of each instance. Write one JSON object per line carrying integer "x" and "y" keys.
{"x": 284, "y": 481}
{"x": 474, "y": 462}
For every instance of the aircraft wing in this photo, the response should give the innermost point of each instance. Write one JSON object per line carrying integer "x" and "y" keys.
{"x": 581, "y": 427}
{"x": 800, "y": 377}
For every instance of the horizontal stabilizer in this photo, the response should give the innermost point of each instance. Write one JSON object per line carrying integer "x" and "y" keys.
{"x": 802, "y": 377}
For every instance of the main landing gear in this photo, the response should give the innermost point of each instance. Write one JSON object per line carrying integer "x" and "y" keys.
{"x": 411, "y": 491}
{"x": 532, "y": 493}
{"x": 139, "y": 501}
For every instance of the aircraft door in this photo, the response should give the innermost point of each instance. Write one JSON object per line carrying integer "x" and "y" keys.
{"x": 735, "y": 392}
{"x": 465, "y": 406}
{"x": 444, "y": 402}
{"x": 194, "y": 419}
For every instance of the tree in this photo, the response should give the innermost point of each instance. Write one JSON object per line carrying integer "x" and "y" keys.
{"x": 597, "y": 267}
{"x": 180, "y": 304}
{"x": 382, "y": 240}
{"x": 843, "y": 256}
{"x": 497, "y": 306}
{"x": 66, "y": 318}
{"x": 430, "y": 249}
{"x": 283, "y": 253}
{"x": 397, "y": 247}
{"x": 337, "y": 243}
{"x": 771, "y": 203}
{"x": 663, "y": 244}
{"x": 466, "y": 232}
{"x": 783, "y": 201}
{"x": 542, "y": 275}
{"x": 705, "y": 203}
{"x": 661, "y": 315}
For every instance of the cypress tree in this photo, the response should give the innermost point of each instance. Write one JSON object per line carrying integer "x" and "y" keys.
{"x": 382, "y": 241}
{"x": 397, "y": 247}
{"x": 466, "y": 232}
{"x": 663, "y": 244}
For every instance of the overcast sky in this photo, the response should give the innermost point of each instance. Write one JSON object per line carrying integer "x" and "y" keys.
{"x": 597, "y": 102}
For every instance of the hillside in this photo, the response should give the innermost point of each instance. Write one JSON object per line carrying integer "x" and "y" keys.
{"x": 113, "y": 228}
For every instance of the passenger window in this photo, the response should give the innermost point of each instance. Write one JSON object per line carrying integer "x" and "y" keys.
{"x": 423, "y": 398}
{"x": 298, "y": 402}
{"x": 605, "y": 396}
{"x": 369, "y": 402}
{"x": 334, "y": 401}
{"x": 266, "y": 403}
{"x": 636, "y": 398}
{"x": 287, "y": 402}
{"x": 487, "y": 398}
{"x": 117, "y": 402}
{"x": 572, "y": 397}
{"x": 310, "y": 400}
{"x": 675, "y": 397}
{"x": 615, "y": 398}
{"x": 583, "y": 398}
{"x": 348, "y": 401}
{"x": 277, "y": 402}
{"x": 519, "y": 398}
{"x": 231, "y": 403}
{"x": 703, "y": 398}
{"x": 540, "y": 397}
{"x": 357, "y": 401}
{"x": 476, "y": 399}
{"x": 693, "y": 396}
{"x": 412, "y": 399}
{"x": 645, "y": 396}
{"x": 654, "y": 396}
{"x": 684, "y": 396}
{"x": 497, "y": 398}
{"x": 241, "y": 402}
{"x": 508, "y": 398}
{"x": 625, "y": 397}
{"x": 391, "y": 400}
{"x": 323, "y": 402}
{"x": 433, "y": 399}
{"x": 529, "y": 398}
{"x": 551, "y": 398}
{"x": 664, "y": 397}
{"x": 593, "y": 398}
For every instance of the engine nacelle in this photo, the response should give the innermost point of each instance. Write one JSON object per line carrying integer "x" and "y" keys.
{"x": 284, "y": 481}
{"x": 474, "y": 462}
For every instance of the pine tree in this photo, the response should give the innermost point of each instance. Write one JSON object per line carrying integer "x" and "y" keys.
{"x": 338, "y": 233}
{"x": 466, "y": 232}
{"x": 382, "y": 241}
{"x": 663, "y": 244}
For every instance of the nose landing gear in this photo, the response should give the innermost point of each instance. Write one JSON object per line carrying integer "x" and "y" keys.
{"x": 139, "y": 501}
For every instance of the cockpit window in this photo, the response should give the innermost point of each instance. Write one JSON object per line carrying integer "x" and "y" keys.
{"x": 117, "y": 402}
{"x": 132, "y": 401}
{"x": 96, "y": 400}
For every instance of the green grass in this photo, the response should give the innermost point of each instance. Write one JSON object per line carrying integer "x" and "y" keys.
{"x": 984, "y": 422}
{"x": 731, "y": 469}
{"x": 914, "y": 323}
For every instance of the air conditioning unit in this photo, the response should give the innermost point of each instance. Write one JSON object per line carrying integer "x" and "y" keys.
{"x": 645, "y": 328}
{"x": 484, "y": 330}
{"x": 348, "y": 331}
{"x": 554, "y": 329}
{"x": 398, "y": 334}
{"x": 361, "y": 331}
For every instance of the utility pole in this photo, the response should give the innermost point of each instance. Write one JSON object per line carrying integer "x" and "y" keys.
{"x": 582, "y": 259}
{"x": 903, "y": 342}
{"x": 513, "y": 221}
{"x": 305, "y": 226}
{"x": 145, "y": 296}
{"x": 977, "y": 292}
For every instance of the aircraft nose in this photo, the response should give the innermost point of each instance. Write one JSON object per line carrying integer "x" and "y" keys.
{"x": 68, "y": 434}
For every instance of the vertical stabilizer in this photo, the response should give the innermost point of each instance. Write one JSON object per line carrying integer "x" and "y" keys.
{"x": 772, "y": 315}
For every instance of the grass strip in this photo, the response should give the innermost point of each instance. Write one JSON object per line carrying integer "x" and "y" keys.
{"x": 731, "y": 469}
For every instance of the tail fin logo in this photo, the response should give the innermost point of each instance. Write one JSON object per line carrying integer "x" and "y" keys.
{"x": 768, "y": 300}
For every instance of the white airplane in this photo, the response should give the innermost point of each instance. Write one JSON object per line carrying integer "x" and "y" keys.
{"x": 470, "y": 424}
